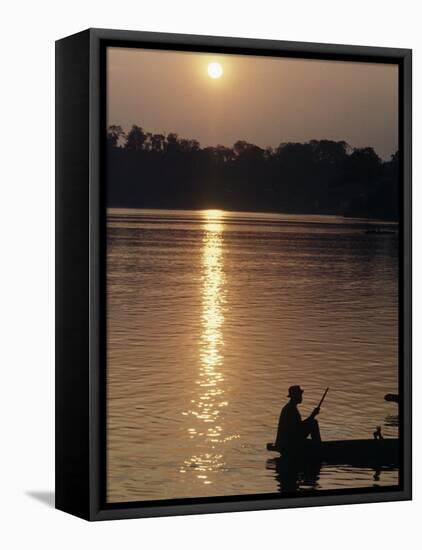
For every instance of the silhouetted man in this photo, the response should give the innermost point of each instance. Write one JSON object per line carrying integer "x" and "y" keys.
{"x": 292, "y": 430}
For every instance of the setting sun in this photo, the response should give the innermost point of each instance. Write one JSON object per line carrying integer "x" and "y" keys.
{"x": 215, "y": 70}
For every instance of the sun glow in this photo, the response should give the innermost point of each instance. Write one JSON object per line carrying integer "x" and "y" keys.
{"x": 215, "y": 70}
{"x": 214, "y": 220}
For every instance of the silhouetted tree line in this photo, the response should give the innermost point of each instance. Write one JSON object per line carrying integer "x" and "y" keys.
{"x": 148, "y": 170}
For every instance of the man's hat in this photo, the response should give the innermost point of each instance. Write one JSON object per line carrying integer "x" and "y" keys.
{"x": 294, "y": 391}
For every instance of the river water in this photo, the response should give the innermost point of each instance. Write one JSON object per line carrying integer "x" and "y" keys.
{"x": 212, "y": 315}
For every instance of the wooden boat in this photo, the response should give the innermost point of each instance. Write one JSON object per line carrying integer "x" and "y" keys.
{"x": 380, "y": 232}
{"x": 392, "y": 397}
{"x": 354, "y": 452}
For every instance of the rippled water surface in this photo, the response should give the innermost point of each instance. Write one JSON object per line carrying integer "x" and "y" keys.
{"x": 213, "y": 315}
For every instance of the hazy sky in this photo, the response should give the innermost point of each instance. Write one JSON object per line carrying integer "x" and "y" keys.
{"x": 263, "y": 100}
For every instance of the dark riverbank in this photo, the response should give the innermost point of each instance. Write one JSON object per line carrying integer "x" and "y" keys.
{"x": 318, "y": 177}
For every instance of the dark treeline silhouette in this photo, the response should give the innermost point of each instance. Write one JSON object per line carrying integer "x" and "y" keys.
{"x": 148, "y": 170}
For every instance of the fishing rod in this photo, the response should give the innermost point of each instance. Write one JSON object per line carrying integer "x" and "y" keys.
{"x": 323, "y": 397}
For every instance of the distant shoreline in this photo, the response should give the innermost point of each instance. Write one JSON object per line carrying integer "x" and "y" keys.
{"x": 320, "y": 177}
{"x": 374, "y": 221}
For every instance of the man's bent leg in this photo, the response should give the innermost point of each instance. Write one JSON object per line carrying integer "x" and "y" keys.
{"x": 311, "y": 427}
{"x": 314, "y": 431}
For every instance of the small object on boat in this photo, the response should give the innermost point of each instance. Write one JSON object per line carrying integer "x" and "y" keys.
{"x": 356, "y": 452}
{"x": 378, "y": 433}
{"x": 380, "y": 232}
{"x": 394, "y": 397}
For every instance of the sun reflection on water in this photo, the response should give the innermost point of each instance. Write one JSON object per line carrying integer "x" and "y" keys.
{"x": 207, "y": 408}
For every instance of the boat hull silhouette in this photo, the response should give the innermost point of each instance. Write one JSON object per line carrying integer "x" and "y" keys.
{"x": 355, "y": 452}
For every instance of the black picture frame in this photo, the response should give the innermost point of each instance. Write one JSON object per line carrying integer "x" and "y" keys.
{"x": 80, "y": 271}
